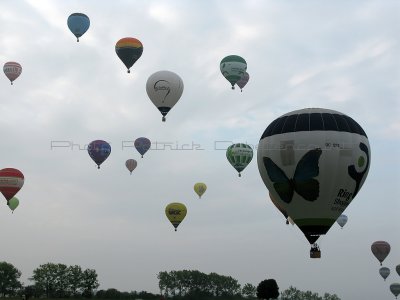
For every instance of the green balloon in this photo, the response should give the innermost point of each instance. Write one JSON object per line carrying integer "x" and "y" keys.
{"x": 239, "y": 156}
{"x": 13, "y": 203}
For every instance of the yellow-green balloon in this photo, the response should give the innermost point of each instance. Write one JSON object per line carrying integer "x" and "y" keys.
{"x": 13, "y": 203}
{"x": 200, "y": 188}
{"x": 175, "y": 213}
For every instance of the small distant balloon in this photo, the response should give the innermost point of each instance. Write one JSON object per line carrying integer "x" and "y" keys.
{"x": 239, "y": 156}
{"x": 243, "y": 81}
{"x": 384, "y": 272}
{"x": 398, "y": 269}
{"x": 142, "y": 145}
{"x": 200, "y": 188}
{"x": 175, "y": 213}
{"x": 233, "y": 67}
{"x": 12, "y": 70}
{"x": 13, "y": 203}
{"x": 78, "y": 23}
{"x": 395, "y": 289}
{"x": 129, "y": 50}
{"x": 381, "y": 250}
{"x": 131, "y": 165}
{"x": 164, "y": 89}
{"x": 11, "y": 181}
{"x": 99, "y": 150}
{"x": 342, "y": 220}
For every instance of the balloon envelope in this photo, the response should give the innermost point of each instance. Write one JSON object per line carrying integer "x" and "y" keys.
{"x": 131, "y": 165}
{"x": 99, "y": 150}
{"x": 395, "y": 289}
{"x": 200, "y": 188}
{"x": 381, "y": 250}
{"x": 129, "y": 50}
{"x": 233, "y": 67}
{"x": 78, "y": 23}
{"x": 398, "y": 269}
{"x": 142, "y": 144}
{"x": 12, "y": 70}
{"x": 243, "y": 81}
{"x": 164, "y": 89}
{"x": 385, "y": 272}
{"x": 313, "y": 162}
{"x": 11, "y": 181}
{"x": 175, "y": 213}
{"x": 13, "y": 203}
{"x": 239, "y": 156}
{"x": 342, "y": 220}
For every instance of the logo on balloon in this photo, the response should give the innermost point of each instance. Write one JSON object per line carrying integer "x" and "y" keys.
{"x": 358, "y": 176}
{"x": 162, "y": 85}
{"x": 172, "y": 211}
{"x": 303, "y": 182}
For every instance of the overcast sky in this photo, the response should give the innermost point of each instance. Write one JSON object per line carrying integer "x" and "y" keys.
{"x": 340, "y": 55}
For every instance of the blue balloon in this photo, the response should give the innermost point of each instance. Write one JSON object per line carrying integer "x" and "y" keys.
{"x": 99, "y": 151}
{"x": 78, "y": 24}
{"x": 142, "y": 144}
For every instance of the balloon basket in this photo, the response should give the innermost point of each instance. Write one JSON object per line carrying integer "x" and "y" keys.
{"x": 315, "y": 252}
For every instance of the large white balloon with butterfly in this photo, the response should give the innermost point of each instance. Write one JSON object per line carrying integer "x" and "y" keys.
{"x": 313, "y": 162}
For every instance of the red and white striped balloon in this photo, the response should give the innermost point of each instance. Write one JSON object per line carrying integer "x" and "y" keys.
{"x": 11, "y": 181}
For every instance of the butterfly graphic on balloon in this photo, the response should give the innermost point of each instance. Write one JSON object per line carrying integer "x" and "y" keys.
{"x": 303, "y": 181}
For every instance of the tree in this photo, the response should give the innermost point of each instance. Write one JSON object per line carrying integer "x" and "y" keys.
{"x": 293, "y": 293}
{"x": 268, "y": 289}
{"x": 328, "y": 296}
{"x": 9, "y": 276}
{"x": 30, "y": 291}
{"x": 89, "y": 282}
{"x": 74, "y": 279}
{"x": 249, "y": 290}
{"x": 52, "y": 279}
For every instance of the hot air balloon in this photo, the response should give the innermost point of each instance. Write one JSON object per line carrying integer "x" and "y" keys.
{"x": 398, "y": 269}
{"x": 175, "y": 213}
{"x": 395, "y": 289}
{"x": 99, "y": 151}
{"x": 78, "y": 23}
{"x": 13, "y": 203}
{"x": 164, "y": 89}
{"x": 243, "y": 81}
{"x": 142, "y": 144}
{"x": 385, "y": 272}
{"x": 381, "y": 250}
{"x": 11, "y": 181}
{"x": 12, "y": 70}
{"x": 129, "y": 50}
{"x": 131, "y": 164}
{"x": 283, "y": 212}
{"x": 314, "y": 161}
{"x": 239, "y": 156}
{"x": 342, "y": 220}
{"x": 200, "y": 188}
{"x": 233, "y": 67}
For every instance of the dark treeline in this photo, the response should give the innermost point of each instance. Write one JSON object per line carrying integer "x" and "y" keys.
{"x": 115, "y": 294}
{"x": 49, "y": 280}
{"x": 52, "y": 280}
{"x": 196, "y": 285}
